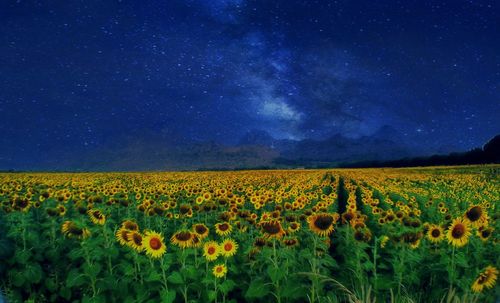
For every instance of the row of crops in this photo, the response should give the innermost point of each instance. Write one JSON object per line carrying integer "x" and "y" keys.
{"x": 390, "y": 235}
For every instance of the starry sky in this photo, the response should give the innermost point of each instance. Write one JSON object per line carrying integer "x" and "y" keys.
{"x": 79, "y": 75}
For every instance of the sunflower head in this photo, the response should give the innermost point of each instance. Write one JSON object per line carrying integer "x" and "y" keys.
{"x": 484, "y": 233}
{"x": 272, "y": 229}
{"x": 96, "y": 216}
{"x": 486, "y": 279}
{"x": 475, "y": 215}
{"x": 435, "y": 233}
{"x": 219, "y": 270}
{"x": 201, "y": 230}
{"x": 223, "y": 229}
{"x": 458, "y": 232}
{"x": 211, "y": 250}
{"x": 322, "y": 223}
{"x": 135, "y": 240}
{"x": 121, "y": 236}
{"x": 71, "y": 230}
{"x": 228, "y": 248}
{"x": 153, "y": 244}
{"x": 182, "y": 238}
{"x": 130, "y": 225}
{"x": 291, "y": 242}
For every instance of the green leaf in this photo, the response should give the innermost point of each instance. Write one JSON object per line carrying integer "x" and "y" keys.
{"x": 257, "y": 289}
{"x": 212, "y": 295}
{"x": 75, "y": 278}
{"x": 33, "y": 273}
{"x": 92, "y": 269}
{"x": 175, "y": 278}
{"x": 293, "y": 290}
{"x": 17, "y": 279}
{"x": 65, "y": 293}
{"x": 153, "y": 276}
{"x": 275, "y": 273}
{"x": 22, "y": 256}
{"x": 51, "y": 285}
{"x": 167, "y": 296}
{"x": 190, "y": 272}
{"x": 227, "y": 286}
{"x": 128, "y": 269}
{"x": 76, "y": 254}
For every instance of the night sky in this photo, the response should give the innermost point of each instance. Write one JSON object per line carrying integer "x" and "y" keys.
{"x": 79, "y": 75}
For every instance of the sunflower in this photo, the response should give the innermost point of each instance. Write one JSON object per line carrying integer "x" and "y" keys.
{"x": 121, "y": 236}
{"x": 223, "y": 229}
{"x": 322, "y": 223}
{"x": 487, "y": 278}
{"x": 71, "y": 230}
{"x": 458, "y": 233}
{"x": 291, "y": 242}
{"x": 211, "y": 250}
{"x": 484, "y": 233}
{"x": 293, "y": 227}
{"x": 61, "y": 209}
{"x": 182, "y": 238}
{"x": 228, "y": 248}
{"x": 96, "y": 216}
{"x": 201, "y": 230}
{"x": 219, "y": 270}
{"x": 383, "y": 241}
{"x": 153, "y": 244}
{"x": 130, "y": 225}
{"x": 435, "y": 233}
{"x": 272, "y": 229}
{"x": 136, "y": 240}
{"x": 21, "y": 204}
{"x": 475, "y": 215}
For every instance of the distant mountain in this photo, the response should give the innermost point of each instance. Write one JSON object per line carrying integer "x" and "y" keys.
{"x": 385, "y": 144}
{"x": 489, "y": 153}
{"x": 148, "y": 151}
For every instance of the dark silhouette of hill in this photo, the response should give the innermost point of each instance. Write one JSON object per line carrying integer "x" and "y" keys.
{"x": 489, "y": 153}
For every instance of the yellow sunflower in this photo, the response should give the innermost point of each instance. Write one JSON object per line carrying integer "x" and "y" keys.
{"x": 219, "y": 270}
{"x": 96, "y": 216}
{"x": 211, "y": 250}
{"x": 223, "y": 229}
{"x": 484, "y": 233}
{"x": 476, "y": 215}
{"x": 435, "y": 233}
{"x": 487, "y": 278}
{"x": 272, "y": 229}
{"x": 458, "y": 233}
{"x": 71, "y": 230}
{"x": 130, "y": 225}
{"x": 182, "y": 238}
{"x": 228, "y": 248}
{"x": 322, "y": 223}
{"x": 121, "y": 236}
{"x": 136, "y": 240}
{"x": 293, "y": 227}
{"x": 153, "y": 244}
{"x": 291, "y": 242}
{"x": 201, "y": 230}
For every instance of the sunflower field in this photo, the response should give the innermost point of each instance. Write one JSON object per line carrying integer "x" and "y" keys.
{"x": 346, "y": 235}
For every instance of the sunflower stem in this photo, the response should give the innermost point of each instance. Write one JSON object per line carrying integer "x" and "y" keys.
{"x": 276, "y": 283}
{"x": 375, "y": 265}
{"x": 452, "y": 267}
{"x": 215, "y": 289}
{"x": 164, "y": 274}
{"x": 89, "y": 263}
